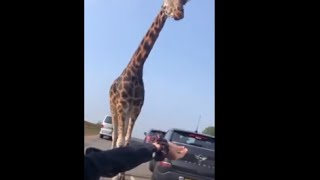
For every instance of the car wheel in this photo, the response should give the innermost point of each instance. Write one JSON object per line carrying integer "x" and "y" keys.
{"x": 151, "y": 165}
{"x": 101, "y": 136}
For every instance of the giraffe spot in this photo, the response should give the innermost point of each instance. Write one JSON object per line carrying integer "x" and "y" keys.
{"x": 151, "y": 32}
{"x": 136, "y": 82}
{"x": 129, "y": 72}
{"x": 113, "y": 88}
{"x": 120, "y": 85}
{"x": 138, "y": 49}
{"x": 136, "y": 60}
{"x": 134, "y": 79}
{"x": 122, "y": 107}
{"x": 153, "y": 24}
{"x": 148, "y": 33}
{"x": 120, "y": 110}
{"x": 153, "y": 37}
{"x": 126, "y": 78}
{"x": 137, "y": 102}
{"x": 128, "y": 88}
{"x": 123, "y": 102}
{"x": 144, "y": 54}
{"x": 136, "y": 110}
{"x": 124, "y": 94}
{"x": 138, "y": 92}
{"x": 146, "y": 46}
{"x": 139, "y": 73}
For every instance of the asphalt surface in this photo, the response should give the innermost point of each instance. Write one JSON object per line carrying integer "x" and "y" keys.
{"x": 139, "y": 173}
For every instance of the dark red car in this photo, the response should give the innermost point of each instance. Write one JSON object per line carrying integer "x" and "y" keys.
{"x": 152, "y": 134}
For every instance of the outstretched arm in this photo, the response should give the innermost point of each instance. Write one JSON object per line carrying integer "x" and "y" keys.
{"x": 111, "y": 162}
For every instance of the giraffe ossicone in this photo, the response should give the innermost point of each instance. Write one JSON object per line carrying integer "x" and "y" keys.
{"x": 172, "y": 8}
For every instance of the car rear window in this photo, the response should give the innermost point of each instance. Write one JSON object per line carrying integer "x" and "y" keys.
{"x": 193, "y": 139}
{"x": 154, "y": 133}
{"x": 108, "y": 120}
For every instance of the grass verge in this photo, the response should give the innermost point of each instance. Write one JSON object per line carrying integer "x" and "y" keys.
{"x": 91, "y": 128}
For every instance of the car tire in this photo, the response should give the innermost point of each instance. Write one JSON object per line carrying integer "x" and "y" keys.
{"x": 151, "y": 165}
{"x": 101, "y": 136}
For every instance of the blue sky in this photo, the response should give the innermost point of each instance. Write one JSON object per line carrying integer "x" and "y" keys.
{"x": 178, "y": 74}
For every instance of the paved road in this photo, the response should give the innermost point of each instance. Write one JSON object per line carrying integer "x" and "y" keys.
{"x": 139, "y": 173}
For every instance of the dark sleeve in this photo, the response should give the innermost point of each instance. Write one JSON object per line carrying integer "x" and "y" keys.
{"x": 111, "y": 162}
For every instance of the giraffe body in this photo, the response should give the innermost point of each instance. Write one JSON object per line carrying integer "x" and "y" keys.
{"x": 127, "y": 91}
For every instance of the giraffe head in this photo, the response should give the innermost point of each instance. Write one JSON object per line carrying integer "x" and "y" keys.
{"x": 174, "y": 8}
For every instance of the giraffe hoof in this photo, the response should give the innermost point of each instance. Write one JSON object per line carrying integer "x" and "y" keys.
{"x": 121, "y": 177}
{"x": 116, "y": 177}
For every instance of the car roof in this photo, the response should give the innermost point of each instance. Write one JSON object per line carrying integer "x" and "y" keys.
{"x": 177, "y": 129}
{"x": 157, "y": 130}
{"x": 105, "y": 117}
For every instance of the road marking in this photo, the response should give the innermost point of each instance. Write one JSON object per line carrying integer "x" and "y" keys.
{"x": 132, "y": 178}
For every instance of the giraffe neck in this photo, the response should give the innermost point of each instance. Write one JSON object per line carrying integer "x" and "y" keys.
{"x": 141, "y": 54}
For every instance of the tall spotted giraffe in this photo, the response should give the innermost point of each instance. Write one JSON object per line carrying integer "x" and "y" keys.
{"x": 127, "y": 91}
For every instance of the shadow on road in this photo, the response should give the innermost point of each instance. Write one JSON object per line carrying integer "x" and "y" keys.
{"x": 139, "y": 176}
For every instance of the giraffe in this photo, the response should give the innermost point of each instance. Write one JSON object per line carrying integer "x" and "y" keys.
{"x": 126, "y": 94}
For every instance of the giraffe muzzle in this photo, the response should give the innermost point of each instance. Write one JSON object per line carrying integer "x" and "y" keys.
{"x": 178, "y": 16}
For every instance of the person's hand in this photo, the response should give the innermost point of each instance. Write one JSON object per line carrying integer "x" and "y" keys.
{"x": 176, "y": 151}
{"x": 157, "y": 146}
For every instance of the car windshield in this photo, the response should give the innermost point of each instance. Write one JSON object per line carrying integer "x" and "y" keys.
{"x": 193, "y": 139}
{"x": 108, "y": 120}
{"x": 155, "y": 133}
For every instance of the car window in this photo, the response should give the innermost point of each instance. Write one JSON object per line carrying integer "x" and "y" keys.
{"x": 154, "y": 133}
{"x": 108, "y": 120}
{"x": 193, "y": 139}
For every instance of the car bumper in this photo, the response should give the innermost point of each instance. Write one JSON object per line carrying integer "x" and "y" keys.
{"x": 177, "y": 176}
{"x": 106, "y": 132}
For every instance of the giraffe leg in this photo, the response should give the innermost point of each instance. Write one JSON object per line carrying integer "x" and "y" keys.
{"x": 121, "y": 130}
{"x": 114, "y": 133}
{"x": 120, "y": 140}
{"x": 116, "y": 177}
{"x": 115, "y": 126}
{"x": 122, "y": 117}
{"x": 127, "y": 126}
{"x": 122, "y": 176}
{"x": 129, "y": 131}
{"x": 132, "y": 120}
{"x": 118, "y": 132}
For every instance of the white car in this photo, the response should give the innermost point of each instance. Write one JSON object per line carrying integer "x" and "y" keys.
{"x": 106, "y": 128}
